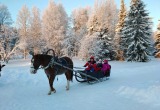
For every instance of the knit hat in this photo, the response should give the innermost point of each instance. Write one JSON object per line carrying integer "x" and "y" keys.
{"x": 92, "y": 57}
{"x": 105, "y": 61}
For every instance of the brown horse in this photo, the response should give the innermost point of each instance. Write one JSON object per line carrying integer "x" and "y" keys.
{"x": 51, "y": 69}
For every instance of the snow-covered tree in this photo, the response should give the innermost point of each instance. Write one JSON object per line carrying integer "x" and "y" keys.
{"x": 8, "y": 34}
{"x": 55, "y": 24}
{"x": 8, "y": 42}
{"x": 36, "y": 41}
{"x": 79, "y": 19}
{"x": 103, "y": 17}
{"x": 5, "y": 17}
{"x": 23, "y": 22}
{"x": 103, "y": 48}
{"x": 122, "y": 16}
{"x": 157, "y": 42}
{"x": 88, "y": 43}
{"x": 136, "y": 34}
{"x": 69, "y": 43}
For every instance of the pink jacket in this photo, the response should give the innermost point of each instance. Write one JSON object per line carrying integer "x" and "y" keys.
{"x": 105, "y": 67}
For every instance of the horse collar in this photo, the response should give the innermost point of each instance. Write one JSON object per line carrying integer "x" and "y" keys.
{"x": 49, "y": 64}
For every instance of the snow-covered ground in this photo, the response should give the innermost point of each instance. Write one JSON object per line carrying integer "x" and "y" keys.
{"x": 132, "y": 86}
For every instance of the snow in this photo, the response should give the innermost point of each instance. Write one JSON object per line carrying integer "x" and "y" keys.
{"x": 132, "y": 86}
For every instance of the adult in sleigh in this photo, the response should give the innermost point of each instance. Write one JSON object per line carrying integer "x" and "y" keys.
{"x": 97, "y": 70}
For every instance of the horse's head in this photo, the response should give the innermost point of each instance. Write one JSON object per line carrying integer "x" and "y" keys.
{"x": 35, "y": 63}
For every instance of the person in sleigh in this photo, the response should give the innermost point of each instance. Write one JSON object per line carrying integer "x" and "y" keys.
{"x": 91, "y": 65}
{"x": 106, "y": 68}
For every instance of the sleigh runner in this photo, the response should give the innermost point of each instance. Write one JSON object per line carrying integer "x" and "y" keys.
{"x": 99, "y": 75}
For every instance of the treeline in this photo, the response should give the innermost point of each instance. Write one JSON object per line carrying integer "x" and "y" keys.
{"x": 101, "y": 30}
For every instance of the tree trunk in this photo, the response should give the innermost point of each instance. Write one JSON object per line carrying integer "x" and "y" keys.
{"x": 25, "y": 55}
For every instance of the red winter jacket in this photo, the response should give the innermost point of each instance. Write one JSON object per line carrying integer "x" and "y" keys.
{"x": 91, "y": 65}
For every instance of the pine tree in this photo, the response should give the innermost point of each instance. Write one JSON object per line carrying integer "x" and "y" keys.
{"x": 103, "y": 48}
{"x": 157, "y": 42}
{"x": 122, "y": 16}
{"x": 136, "y": 34}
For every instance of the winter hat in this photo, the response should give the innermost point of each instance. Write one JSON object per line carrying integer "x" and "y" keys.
{"x": 92, "y": 57}
{"x": 105, "y": 61}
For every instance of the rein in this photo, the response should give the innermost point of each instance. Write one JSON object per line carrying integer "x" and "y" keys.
{"x": 49, "y": 64}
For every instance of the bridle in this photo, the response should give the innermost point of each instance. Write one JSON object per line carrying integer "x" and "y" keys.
{"x": 33, "y": 69}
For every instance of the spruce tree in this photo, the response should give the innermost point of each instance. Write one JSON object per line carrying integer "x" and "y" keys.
{"x": 104, "y": 48}
{"x": 122, "y": 16}
{"x": 157, "y": 42}
{"x": 136, "y": 34}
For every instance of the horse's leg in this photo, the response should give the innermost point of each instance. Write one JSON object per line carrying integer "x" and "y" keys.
{"x": 68, "y": 85}
{"x": 51, "y": 79}
{"x": 68, "y": 80}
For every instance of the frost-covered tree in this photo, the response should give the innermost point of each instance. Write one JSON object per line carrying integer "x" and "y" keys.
{"x": 103, "y": 17}
{"x": 23, "y": 23}
{"x": 5, "y": 17}
{"x": 79, "y": 19}
{"x": 55, "y": 25}
{"x": 136, "y": 34}
{"x": 69, "y": 43}
{"x": 8, "y": 34}
{"x": 8, "y": 42}
{"x": 36, "y": 41}
{"x": 157, "y": 42}
{"x": 122, "y": 16}
{"x": 88, "y": 44}
{"x": 103, "y": 48}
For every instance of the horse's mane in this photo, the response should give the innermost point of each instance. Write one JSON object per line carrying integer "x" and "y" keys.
{"x": 43, "y": 55}
{"x": 53, "y": 52}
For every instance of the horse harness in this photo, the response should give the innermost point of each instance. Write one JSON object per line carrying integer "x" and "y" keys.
{"x": 53, "y": 64}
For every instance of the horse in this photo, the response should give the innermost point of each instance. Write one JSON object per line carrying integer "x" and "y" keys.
{"x": 51, "y": 69}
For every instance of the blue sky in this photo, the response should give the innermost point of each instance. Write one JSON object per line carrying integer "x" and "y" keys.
{"x": 153, "y": 6}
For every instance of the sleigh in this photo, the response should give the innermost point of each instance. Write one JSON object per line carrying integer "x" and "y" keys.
{"x": 90, "y": 77}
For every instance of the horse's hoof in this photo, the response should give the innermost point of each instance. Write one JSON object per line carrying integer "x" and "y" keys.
{"x": 49, "y": 93}
{"x": 67, "y": 88}
{"x": 54, "y": 91}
